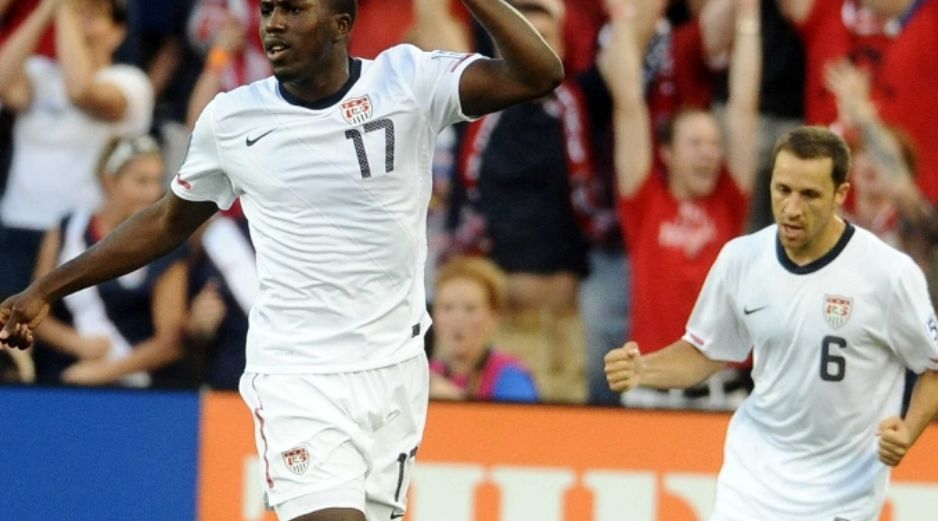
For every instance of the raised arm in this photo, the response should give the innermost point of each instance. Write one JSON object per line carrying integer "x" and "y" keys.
{"x": 620, "y": 64}
{"x": 149, "y": 234}
{"x": 742, "y": 111}
{"x": 102, "y": 100}
{"x": 526, "y": 69}
{"x": 856, "y": 110}
{"x": 716, "y": 31}
{"x": 15, "y": 91}
{"x": 796, "y": 10}
{"x": 435, "y": 27}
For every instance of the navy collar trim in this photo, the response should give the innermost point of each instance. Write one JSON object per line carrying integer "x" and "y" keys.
{"x": 816, "y": 264}
{"x": 355, "y": 72}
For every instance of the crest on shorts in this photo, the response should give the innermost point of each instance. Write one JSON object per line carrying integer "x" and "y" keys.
{"x": 837, "y": 310}
{"x": 357, "y": 110}
{"x": 296, "y": 459}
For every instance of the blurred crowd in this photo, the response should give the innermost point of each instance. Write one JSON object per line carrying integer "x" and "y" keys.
{"x": 559, "y": 228}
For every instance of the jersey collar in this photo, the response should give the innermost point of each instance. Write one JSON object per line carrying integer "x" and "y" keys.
{"x": 354, "y": 72}
{"x": 818, "y": 263}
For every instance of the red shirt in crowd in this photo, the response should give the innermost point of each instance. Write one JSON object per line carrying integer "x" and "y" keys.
{"x": 672, "y": 245}
{"x": 904, "y": 68}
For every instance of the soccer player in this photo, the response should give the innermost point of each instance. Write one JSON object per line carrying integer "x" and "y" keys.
{"x": 834, "y": 316}
{"x": 330, "y": 158}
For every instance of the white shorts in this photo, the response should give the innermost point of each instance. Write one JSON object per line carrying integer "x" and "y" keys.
{"x": 342, "y": 440}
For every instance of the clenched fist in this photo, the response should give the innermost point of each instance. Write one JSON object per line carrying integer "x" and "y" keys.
{"x": 624, "y": 367}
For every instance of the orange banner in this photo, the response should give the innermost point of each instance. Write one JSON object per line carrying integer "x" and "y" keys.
{"x": 489, "y": 462}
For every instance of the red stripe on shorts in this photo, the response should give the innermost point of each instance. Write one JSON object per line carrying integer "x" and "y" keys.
{"x": 260, "y": 426}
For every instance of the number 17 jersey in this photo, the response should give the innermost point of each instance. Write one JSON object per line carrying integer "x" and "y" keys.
{"x": 831, "y": 341}
{"x": 336, "y": 194}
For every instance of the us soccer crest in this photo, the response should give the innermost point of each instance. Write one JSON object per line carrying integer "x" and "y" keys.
{"x": 357, "y": 110}
{"x": 296, "y": 459}
{"x": 837, "y": 310}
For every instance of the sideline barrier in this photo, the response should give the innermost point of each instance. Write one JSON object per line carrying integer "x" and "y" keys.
{"x": 491, "y": 462}
{"x": 102, "y": 454}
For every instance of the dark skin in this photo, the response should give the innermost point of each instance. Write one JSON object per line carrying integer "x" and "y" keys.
{"x": 307, "y": 44}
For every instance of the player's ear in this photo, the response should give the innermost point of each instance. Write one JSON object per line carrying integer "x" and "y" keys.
{"x": 341, "y": 25}
{"x": 840, "y": 193}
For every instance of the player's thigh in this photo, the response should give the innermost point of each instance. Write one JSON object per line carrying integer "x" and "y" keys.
{"x": 311, "y": 452}
{"x": 397, "y": 442}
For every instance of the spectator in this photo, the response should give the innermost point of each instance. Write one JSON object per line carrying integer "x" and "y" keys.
{"x": 121, "y": 331}
{"x": 67, "y": 111}
{"x": 892, "y": 39}
{"x": 223, "y": 31}
{"x": 534, "y": 225}
{"x": 470, "y": 294}
{"x": 225, "y": 276}
{"x": 676, "y": 220}
{"x": 781, "y": 99}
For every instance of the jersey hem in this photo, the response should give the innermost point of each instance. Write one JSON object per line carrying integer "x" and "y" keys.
{"x": 407, "y": 354}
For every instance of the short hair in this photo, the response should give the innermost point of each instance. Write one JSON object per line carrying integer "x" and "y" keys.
{"x": 349, "y": 7}
{"x": 816, "y": 142}
{"x": 482, "y": 271}
{"x": 667, "y": 129}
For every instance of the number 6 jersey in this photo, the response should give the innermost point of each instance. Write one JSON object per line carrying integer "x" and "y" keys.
{"x": 336, "y": 195}
{"x": 831, "y": 341}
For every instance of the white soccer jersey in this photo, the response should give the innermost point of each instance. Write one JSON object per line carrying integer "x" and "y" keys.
{"x": 831, "y": 341}
{"x": 336, "y": 195}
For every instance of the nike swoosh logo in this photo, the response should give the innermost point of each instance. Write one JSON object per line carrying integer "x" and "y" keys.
{"x": 753, "y": 310}
{"x": 397, "y": 516}
{"x": 250, "y": 142}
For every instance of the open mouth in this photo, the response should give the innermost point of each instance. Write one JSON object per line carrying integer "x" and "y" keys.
{"x": 275, "y": 51}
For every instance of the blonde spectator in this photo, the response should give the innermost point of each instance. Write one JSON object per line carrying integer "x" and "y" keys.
{"x": 122, "y": 330}
{"x": 470, "y": 293}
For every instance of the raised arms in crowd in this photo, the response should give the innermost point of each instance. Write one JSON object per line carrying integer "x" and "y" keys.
{"x": 620, "y": 64}
{"x": 79, "y": 58}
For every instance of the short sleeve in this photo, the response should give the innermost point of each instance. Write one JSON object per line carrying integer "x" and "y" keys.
{"x": 714, "y": 327}
{"x": 435, "y": 78}
{"x": 911, "y": 326}
{"x": 138, "y": 91}
{"x": 201, "y": 177}
{"x": 515, "y": 385}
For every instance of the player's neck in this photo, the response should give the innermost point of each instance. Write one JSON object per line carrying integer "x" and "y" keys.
{"x": 321, "y": 83}
{"x": 820, "y": 245}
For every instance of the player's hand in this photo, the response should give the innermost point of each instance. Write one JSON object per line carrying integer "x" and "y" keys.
{"x": 624, "y": 367}
{"x": 894, "y": 440}
{"x": 19, "y": 317}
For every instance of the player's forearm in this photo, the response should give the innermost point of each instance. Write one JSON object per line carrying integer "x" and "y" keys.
{"x": 923, "y": 408}
{"x": 527, "y": 57}
{"x": 678, "y": 366}
{"x": 144, "y": 237}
